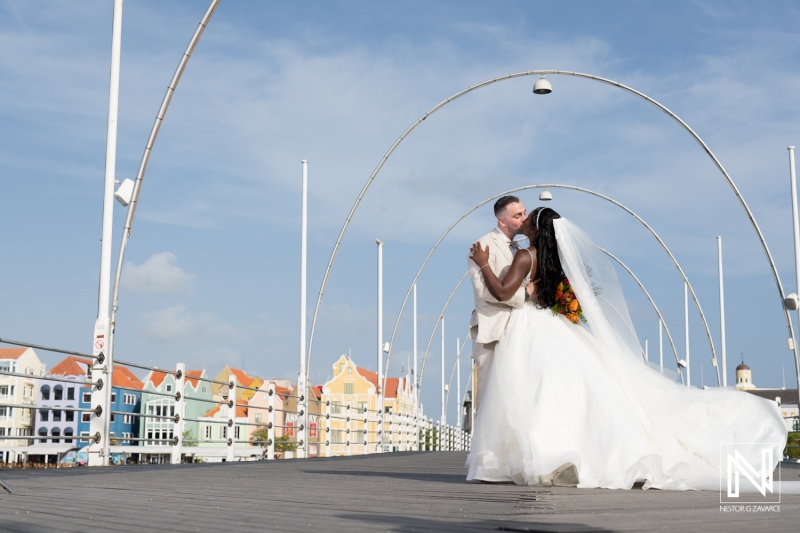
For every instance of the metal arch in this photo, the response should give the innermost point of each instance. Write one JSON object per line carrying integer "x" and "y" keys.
{"x": 554, "y": 186}
{"x": 578, "y": 75}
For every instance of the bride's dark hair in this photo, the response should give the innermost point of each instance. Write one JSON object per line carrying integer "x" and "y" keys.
{"x": 549, "y": 269}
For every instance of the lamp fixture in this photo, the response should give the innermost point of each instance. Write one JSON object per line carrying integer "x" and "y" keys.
{"x": 124, "y": 193}
{"x": 545, "y": 196}
{"x": 542, "y": 86}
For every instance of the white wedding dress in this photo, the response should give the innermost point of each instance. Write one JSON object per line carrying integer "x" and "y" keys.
{"x": 567, "y": 404}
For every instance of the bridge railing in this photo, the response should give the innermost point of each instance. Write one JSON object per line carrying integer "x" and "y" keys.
{"x": 237, "y": 422}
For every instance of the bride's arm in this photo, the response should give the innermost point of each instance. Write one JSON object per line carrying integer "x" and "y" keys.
{"x": 510, "y": 284}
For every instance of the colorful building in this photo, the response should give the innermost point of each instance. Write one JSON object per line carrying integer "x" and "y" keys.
{"x": 17, "y": 390}
{"x": 126, "y": 396}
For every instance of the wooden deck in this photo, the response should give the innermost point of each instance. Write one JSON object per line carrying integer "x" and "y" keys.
{"x": 404, "y": 492}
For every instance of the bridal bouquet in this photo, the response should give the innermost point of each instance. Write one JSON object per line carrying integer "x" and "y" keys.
{"x": 567, "y": 304}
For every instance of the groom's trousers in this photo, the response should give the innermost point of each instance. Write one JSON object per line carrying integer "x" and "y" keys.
{"x": 483, "y": 355}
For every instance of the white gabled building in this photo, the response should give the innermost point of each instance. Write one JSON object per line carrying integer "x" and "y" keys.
{"x": 17, "y": 390}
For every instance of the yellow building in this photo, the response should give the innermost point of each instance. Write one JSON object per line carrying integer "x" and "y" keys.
{"x": 351, "y": 407}
{"x": 243, "y": 379}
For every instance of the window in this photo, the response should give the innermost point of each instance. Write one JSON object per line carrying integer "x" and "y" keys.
{"x": 113, "y": 397}
{"x": 58, "y": 392}
{"x": 258, "y": 418}
{"x": 57, "y": 416}
{"x": 349, "y": 388}
{"x": 359, "y": 437}
{"x": 349, "y": 369}
{"x": 127, "y": 419}
{"x": 55, "y": 433}
{"x": 8, "y": 366}
{"x": 223, "y": 432}
{"x": 68, "y": 435}
{"x": 341, "y": 367}
{"x": 69, "y": 416}
{"x": 6, "y": 411}
{"x": 312, "y": 430}
{"x": 207, "y": 432}
{"x": 2, "y": 432}
{"x": 86, "y": 417}
{"x": 113, "y": 417}
{"x": 336, "y": 438}
{"x": 45, "y": 392}
{"x": 6, "y": 390}
{"x": 203, "y": 389}
{"x": 87, "y": 397}
{"x": 336, "y": 408}
{"x": 44, "y": 415}
{"x": 71, "y": 393}
{"x": 42, "y": 434}
{"x": 169, "y": 387}
{"x": 236, "y": 432}
{"x": 362, "y": 407}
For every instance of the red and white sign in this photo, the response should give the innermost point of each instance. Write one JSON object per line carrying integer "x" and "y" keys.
{"x": 290, "y": 429}
{"x": 312, "y": 430}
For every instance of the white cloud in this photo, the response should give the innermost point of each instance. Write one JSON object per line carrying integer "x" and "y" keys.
{"x": 157, "y": 275}
{"x": 178, "y": 324}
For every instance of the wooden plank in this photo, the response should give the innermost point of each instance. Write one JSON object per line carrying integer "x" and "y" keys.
{"x": 420, "y": 491}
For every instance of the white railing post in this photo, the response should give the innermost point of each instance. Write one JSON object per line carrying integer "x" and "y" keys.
{"x": 231, "y": 416}
{"x": 180, "y": 414}
{"x": 347, "y": 431}
{"x": 271, "y": 423}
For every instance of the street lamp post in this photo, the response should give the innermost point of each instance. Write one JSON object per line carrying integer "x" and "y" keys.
{"x": 102, "y": 367}
{"x": 302, "y": 377}
{"x": 380, "y": 342}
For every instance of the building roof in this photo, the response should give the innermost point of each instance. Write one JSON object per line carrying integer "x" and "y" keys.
{"x": 743, "y": 367}
{"x": 12, "y": 353}
{"x": 392, "y": 384}
{"x": 191, "y": 377}
{"x": 71, "y": 366}
{"x": 241, "y": 410}
{"x": 786, "y": 395}
{"x": 122, "y": 377}
{"x": 282, "y": 392}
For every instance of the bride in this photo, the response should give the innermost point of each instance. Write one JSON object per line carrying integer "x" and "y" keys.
{"x": 569, "y": 400}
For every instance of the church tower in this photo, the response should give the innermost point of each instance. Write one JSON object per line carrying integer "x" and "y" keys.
{"x": 744, "y": 378}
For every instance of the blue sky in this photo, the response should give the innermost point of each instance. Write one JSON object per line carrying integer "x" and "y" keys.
{"x": 212, "y": 268}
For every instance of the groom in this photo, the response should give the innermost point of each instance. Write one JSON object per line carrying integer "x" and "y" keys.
{"x": 490, "y": 316}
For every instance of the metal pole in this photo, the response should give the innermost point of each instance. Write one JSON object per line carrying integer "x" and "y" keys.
{"x": 661, "y": 345}
{"x": 793, "y": 178}
{"x": 302, "y": 376}
{"x": 686, "y": 329}
{"x": 723, "y": 353}
{"x": 646, "y": 351}
{"x": 380, "y": 342}
{"x": 444, "y": 412}
{"x": 416, "y": 384}
{"x": 458, "y": 384}
{"x": 98, "y": 450}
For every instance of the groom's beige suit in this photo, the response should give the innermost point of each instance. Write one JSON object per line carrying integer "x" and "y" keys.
{"x": 490, "y": 316}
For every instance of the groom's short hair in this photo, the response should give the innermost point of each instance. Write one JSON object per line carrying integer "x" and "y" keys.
{"x": 501, "y": 204}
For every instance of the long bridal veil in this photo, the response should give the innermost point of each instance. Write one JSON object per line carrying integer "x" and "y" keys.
{"x": 689, "y": 426}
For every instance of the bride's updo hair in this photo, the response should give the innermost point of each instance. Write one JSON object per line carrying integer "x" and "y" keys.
{"x": 549, "y": 268}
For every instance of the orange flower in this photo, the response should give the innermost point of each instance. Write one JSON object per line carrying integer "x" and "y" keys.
{"x": 573, "y": 305}
{"x": 559, "y": 294}
{"x": 573, "y": 317}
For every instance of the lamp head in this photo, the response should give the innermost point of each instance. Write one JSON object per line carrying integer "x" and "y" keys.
{"x": 542, "y": 86}
{"x": 545, "y": 196}
{"x": 792, "y": 302}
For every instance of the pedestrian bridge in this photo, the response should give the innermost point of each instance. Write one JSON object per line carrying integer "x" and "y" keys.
{"x": 411, "y": 491}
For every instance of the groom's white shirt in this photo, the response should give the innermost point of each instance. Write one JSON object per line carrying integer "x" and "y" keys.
{"x": 490, "y": 315}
